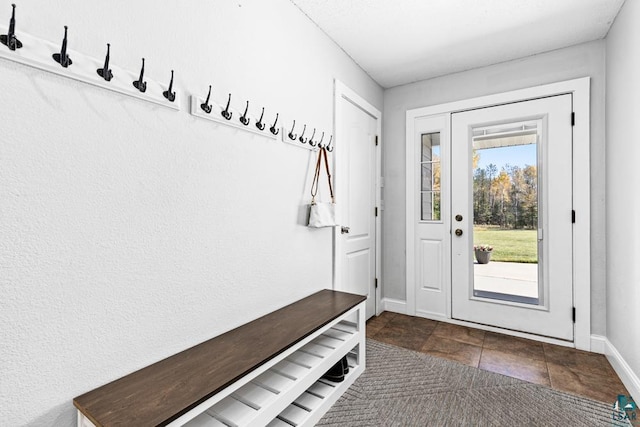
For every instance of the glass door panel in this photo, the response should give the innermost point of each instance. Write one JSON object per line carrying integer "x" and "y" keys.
{"x": 430, "y": 177}
{"x": 505, "y": 212}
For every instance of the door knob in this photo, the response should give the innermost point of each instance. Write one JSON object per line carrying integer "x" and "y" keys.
{"x": 458, "y": 217}
{"x": 458, "y": 232}
{"x": 344, "y": 230}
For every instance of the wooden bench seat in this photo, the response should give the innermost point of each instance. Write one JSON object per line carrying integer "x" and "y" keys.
{"x": 174, "y": 389}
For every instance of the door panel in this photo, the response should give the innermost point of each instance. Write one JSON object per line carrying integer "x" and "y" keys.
{"x": 431, "y": 209}
{"x": 356, "y": 133}
{"x": 511, "y": 293}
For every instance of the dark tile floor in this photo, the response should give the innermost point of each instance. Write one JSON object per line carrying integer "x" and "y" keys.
{"x": 561, "y": 368}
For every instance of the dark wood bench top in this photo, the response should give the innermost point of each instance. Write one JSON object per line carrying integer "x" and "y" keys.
{"x": 160, "y": 393}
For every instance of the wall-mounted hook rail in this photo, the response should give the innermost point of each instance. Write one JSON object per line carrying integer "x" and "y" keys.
{"x": 105, "y": 72}
{"x": 38, "y": 53}
{"x": 302, "y": 138}
{"x": 259, "y": 123}
{"x": 140, "y": 84}
{"x": 219, "y": 115}
{"x": 273, "y": 129}
{"x": 10, "y": 39}
{"x": 226, "y": 113}
{"x": 169, "y": 93}
{"x": 243, "y": 119}
{"x": 311, "y": 141}
{"x": 62, "y": 58}
{"x": 206, "y": 107}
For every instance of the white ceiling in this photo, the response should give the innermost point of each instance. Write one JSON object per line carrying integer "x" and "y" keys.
{"x": 402, "y": 41}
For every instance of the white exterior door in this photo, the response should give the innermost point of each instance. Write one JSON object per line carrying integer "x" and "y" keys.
{"x": 357, "y": 195}
{"x": 534, "y": 295}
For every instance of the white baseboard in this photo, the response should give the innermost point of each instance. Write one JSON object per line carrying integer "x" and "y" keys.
{"x": 629, "y": 378}
{"x": 598, "y": 344}
{"x": 394, "y": 305}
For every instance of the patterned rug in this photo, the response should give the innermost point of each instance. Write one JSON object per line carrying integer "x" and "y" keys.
{"x": 405, "y": 388}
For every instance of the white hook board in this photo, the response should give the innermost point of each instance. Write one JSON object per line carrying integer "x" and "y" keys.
{"x": 216, "y": 116}
{"x": 38, "y": 53}
{"x": 296, "y": 142}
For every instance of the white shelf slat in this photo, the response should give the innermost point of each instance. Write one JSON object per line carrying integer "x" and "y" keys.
{"x": 232, "y": 412}
{"x": 290, "y": 370}
{"x": 255, "y": 396}
{"x": 308, "y": 401}
{"x": 317, "y": 350}
{"x": 205, "y": 420}
{"x": 305, "y": 359}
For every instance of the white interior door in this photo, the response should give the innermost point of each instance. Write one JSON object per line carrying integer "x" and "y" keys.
{"x": 512, "y": 174}
{"x": 356, "y": 197}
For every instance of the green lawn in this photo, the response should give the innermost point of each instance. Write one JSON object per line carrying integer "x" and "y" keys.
{"x": 508, "y": 245}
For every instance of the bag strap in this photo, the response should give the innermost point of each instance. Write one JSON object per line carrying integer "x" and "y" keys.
{"x": 316, "y": 179}
{"x": 322, "y": 153}
{"x": 326, "y": 163}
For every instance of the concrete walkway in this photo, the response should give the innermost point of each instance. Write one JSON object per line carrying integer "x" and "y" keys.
{"x": 511, "y": 278}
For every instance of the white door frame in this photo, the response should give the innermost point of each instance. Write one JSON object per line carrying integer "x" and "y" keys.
{"x": 581, "y": 197}
{"x": 341, "y": 91}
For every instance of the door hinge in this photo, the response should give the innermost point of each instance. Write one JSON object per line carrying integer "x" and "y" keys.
{"x": 376, "y": 282}
{"x": 376, "y": 140}
{"x": 573, "y": 217}
{"x": 375, "y": 211}
{"x": 573, "y": 118}
{"x": 573, "y": 315}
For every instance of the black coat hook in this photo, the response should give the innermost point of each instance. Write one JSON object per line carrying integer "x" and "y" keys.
{"x": 226, "y": 113}
{"x": 206, "y": 107}
{"x": 62, "y": 58}
{"x": 244, "y": 119}
{"x": 169, "y": 94}
{"x": 302, "y": 139}
{"x": 259, "y": 123}
{"x": 293, "y": 136}
{"x": 140, "y": 84}
{"x": 311, "y": 143}
{"x": 105, "y": 72}
{"x": 320, "y": 142}
{"x": 10, "y": 39}
{"x": 273, "y": 127}
{"x": 329, "y": 146}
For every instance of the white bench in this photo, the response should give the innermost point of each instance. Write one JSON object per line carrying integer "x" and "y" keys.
{"x": 266, "y": 372}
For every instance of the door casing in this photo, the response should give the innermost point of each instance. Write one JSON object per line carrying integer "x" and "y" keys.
{"x": 581, "y": 201}
{"x": 343, "y": 93}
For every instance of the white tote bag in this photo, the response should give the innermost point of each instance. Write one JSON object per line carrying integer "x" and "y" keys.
{"x": 322, "y": 214}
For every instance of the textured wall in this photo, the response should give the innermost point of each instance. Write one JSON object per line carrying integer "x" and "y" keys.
{"x": 578, "y": 61}
{"x": 129, "y": 232}
{"x": 623, "y": 181}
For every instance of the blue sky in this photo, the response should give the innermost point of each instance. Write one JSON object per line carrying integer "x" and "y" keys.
{"x": 517, "y": 155}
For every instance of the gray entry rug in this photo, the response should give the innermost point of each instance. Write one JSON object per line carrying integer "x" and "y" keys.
{"x": 405, "y": 388}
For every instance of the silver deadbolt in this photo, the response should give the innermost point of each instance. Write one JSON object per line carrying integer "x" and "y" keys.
{"x": 458, "y": 217}
{"x": 458, "y": 232}
{"x": 344, "y": 230}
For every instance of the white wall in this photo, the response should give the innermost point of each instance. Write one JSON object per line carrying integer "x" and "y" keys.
{"x": 578, "y": 61}
{"x": 623, "y": 181}
{"x": 129, "y": 232}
